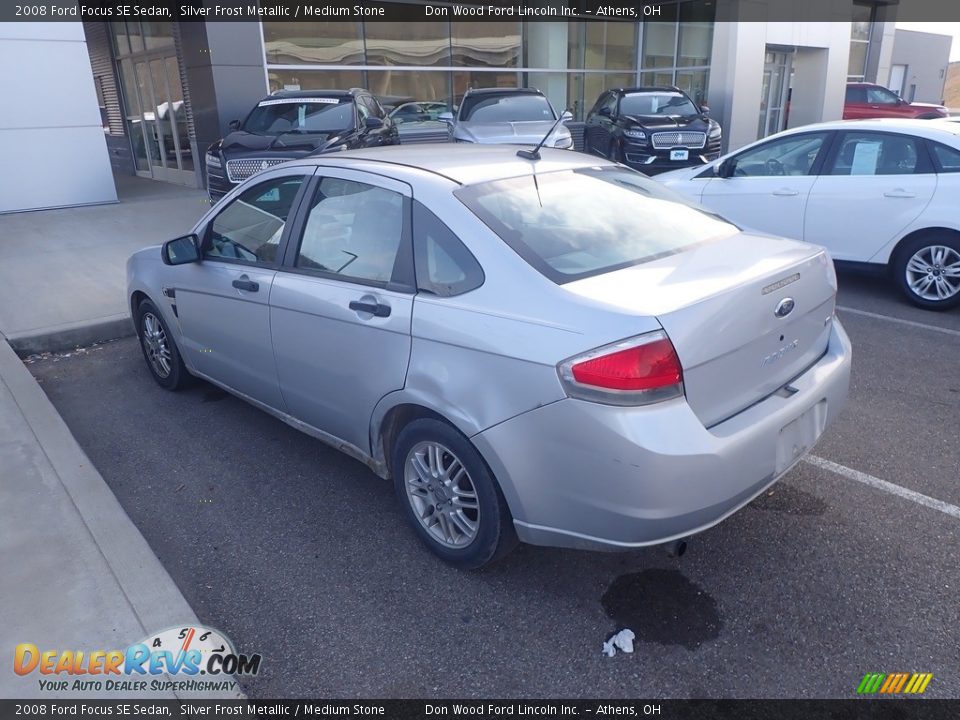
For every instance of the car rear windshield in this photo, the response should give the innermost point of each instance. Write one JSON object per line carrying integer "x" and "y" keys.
{"x": 304, "y": 116}
{"x": 505, "y": 108}
{"x": 573, "y": 224}
{"x": 652, "y": 103}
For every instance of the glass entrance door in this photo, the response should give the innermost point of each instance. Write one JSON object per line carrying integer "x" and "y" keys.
{"x": 156, "y": 118}
{"x": 773, "y": 97}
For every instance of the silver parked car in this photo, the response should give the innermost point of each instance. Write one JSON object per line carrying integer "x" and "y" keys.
{"x": 509, "y": 116}
{"x": 556, "y": 350}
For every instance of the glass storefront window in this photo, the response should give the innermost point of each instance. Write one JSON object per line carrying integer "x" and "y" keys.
{"x": 660, "y": 40}
{"x": 157, "y": 35}
{"x": 120, "y": 38}
{"x": 694, "y": 84}
{"x": 583, "y": 89}
{"x": 316, "y": 43}
{"x": 696, "y": 39}
{"x": 408, "y": 43}
{"x": 485, "y": 44}
{"x": 315, "y": 79}
{"x": 465, "y": 79}
{"x": 395, "y": 87}
{"x": 858, "y": 59}
{"x": 610, "y": 46}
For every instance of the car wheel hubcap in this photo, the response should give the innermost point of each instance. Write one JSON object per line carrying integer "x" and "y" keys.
{"x": 156, "y": 346}
{"x": 933, "y": 273}
{"x": 442, "y": 494}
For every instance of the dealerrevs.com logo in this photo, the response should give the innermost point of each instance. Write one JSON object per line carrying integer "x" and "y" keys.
{"x": 194, "y": 658}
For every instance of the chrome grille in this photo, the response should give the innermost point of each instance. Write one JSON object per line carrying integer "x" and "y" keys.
{"x": 239, "y": 170}
{"x": 667, "y": 140}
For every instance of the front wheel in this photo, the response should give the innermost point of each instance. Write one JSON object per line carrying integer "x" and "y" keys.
{"x": 159, "y": 349}
{"x": 450, "y": 496}
{"x": 927, "y": 271}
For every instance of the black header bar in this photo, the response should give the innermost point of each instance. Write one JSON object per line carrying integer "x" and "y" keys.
{"x": 490, "y": 10}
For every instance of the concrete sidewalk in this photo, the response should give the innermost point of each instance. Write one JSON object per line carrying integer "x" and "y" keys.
{"x": 63, "y": 272}
{"x": 76, "y": 573}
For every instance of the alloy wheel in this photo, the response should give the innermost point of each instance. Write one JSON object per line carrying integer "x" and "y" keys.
{"x": 155, "y": 343}
{"x": 933, "y": 273}
{"x": 442, "y": 494}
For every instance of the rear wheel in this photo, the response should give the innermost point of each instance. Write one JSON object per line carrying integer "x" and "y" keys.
{"x": 450, "y": 496}
{"x": 927, "y": 270}
{"x": 159, "y": 349}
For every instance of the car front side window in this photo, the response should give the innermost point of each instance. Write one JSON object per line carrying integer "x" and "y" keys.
{"x": 249, "y": 228}
{"x": 793, "y": 155}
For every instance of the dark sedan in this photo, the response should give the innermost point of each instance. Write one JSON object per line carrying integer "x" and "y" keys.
{"x": 294, "y": 124}
{"x": 651, "y": 129}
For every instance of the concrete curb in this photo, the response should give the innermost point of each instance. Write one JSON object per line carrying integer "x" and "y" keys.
{"x": 151, "y": 593}
{"x": 60, "y": 338}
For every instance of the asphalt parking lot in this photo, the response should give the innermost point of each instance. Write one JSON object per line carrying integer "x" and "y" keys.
{"x": 300, "y": 553}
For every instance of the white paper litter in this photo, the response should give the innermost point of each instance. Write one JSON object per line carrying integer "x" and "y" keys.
{"x": 622, "y": 641}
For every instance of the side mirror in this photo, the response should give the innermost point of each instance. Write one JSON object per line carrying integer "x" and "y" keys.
{"x": 567, "y": 116}
{"x": 605, "y": 111}
{"x": 181, "y": 250}
{"x": 704, "y": 110}
{"x": 727, "y": 168}
{"x": 234, "y": 125}
{"x": 373, "y": 123}
{"x": 445, "y": 116}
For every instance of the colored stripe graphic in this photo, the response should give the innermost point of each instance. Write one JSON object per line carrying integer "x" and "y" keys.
{"x": 894, "y": 683}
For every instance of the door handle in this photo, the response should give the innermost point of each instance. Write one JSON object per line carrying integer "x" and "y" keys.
{"x": 899, "y": 193}
{"x": 375, "y": 309}
{"x": 785, "y": 192}
{"x": 245, "y": 283}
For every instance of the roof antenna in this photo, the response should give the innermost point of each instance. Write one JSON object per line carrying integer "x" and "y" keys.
{"x": 535, "y": 153}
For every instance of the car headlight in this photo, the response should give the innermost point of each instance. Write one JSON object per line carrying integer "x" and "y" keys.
{"x": 635, "y": 134}
{"x": 213, "y": 160}
{"x": 564, "y": 143}
{"x": 715, "y": 132}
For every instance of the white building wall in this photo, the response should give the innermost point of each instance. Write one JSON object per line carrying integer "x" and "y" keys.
{"x": 821, "y": 53}
{"x": 51, "y": 139}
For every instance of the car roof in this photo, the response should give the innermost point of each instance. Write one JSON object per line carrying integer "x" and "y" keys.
{"x": 503, "y": 91}
{"x": 463, "y": 164}
{"x": 294, "y": 94}
{"x": 924, "y": 128}
{"x": 627, "y": 90}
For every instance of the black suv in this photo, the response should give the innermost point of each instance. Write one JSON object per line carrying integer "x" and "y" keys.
{"x": 293, "y": 124}
{"x": 652, "y": 129}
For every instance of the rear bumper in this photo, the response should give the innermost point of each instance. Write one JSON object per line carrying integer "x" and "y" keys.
{"x": 585, "y": 475}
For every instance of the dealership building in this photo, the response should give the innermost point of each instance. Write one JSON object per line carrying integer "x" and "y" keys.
{"x": 147, "y": 97}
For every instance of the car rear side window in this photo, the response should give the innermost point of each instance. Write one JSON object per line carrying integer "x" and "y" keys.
{"x": 572, "y": 224}
{"x": 249, "y": 228}
{"x": 444, "y": 265}
{"x": 353, "y": 230}
{"x": 948, "y": 158}
{"x": 864, "y": 153}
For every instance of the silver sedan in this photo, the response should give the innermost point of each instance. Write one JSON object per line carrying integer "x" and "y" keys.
{"x": 555, "y": 350}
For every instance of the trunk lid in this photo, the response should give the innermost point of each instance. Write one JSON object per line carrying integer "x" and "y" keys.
{"x": 718, "y": 304}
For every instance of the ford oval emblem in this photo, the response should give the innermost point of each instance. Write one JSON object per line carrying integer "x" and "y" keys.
{"x": 784, "y": 307}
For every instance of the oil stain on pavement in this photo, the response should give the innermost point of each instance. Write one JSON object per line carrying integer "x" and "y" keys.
{"x": 663, "y": 607}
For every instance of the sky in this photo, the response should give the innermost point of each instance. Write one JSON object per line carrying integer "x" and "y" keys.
{"x": 942, "y": 28}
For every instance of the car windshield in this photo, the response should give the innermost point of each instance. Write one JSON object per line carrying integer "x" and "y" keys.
{"x": 304, "y": 116}
{"x": 506, "y": 108}
{"x": 657, "y": 103}
{"x": 572, "y": 224}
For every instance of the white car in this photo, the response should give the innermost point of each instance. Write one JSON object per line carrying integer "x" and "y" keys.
{"x": 881, "y": 192}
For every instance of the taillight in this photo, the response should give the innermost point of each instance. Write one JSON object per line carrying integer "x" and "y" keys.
{"x": 638, "y": 371}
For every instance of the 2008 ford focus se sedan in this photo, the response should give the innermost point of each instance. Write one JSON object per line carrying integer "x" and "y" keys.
{"x": 555, "y": 350}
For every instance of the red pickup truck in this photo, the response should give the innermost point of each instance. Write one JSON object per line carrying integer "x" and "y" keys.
{"x": 866, "y": 100}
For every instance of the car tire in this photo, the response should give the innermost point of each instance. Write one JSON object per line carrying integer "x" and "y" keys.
{"x": 159, "y": 349}
{"x": 927, "y": 270}
{"x": 462, "y": 518}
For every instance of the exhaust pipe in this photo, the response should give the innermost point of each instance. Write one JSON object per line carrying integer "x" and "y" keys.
{"x": 676, "y": 548}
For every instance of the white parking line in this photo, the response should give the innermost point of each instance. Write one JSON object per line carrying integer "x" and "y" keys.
{"x": 879, "y": 484}
{"x": 911, "y": 323}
